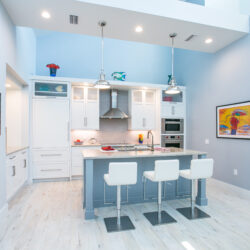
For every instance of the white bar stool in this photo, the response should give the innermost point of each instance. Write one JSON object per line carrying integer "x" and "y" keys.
{"x": 120, "y": 173}
{"x": 199, "y": 169}
{"x": 165, "y": 170}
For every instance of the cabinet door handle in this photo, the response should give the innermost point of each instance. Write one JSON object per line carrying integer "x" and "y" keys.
{"x": 173, "y": 110}
{"x": 143, "y": 122}
{"x": 50, "y": 155}
{"x": 47, "y": 170}
{"x": 68, "y": 133}
{"x": 13, "y": 170}
{"x": 25, "y": 163}
{"x": 86, "y": 121}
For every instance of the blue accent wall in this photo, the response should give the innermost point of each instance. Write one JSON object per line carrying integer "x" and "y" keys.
{"x": 211, "y": 80}
{"x": 80, "y": 56}
{"x": 199, "y": 2}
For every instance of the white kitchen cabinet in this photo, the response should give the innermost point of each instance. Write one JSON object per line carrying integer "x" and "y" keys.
{"x": 77, "y": 159}
{"x": 50, "y": 163}
{"x": 17, "y": 172}
{"x": 51, "y": 136}
{"x": 173, "y": 106}
{"x": 85, "y": 108}
{"x": 50, "y": 123}
{"x": 142, "y": 110}
{"x": 174, "y": 110}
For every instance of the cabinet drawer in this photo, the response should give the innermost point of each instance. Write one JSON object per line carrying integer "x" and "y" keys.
{"x": 51, "y": 170}
{"x": 50, "y": 155}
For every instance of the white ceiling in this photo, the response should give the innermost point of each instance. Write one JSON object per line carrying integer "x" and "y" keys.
{"x": 121, "y": 23}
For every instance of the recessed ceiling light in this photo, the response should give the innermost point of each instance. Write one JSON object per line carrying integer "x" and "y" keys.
{"x": 138, "y": 29}
{"x": 45, "y": 14}
{"x": 7, "y": 85}
{"x": 208, "y": 40}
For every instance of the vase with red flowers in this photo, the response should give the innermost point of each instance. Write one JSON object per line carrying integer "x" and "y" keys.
{"x": 53, "y": 68}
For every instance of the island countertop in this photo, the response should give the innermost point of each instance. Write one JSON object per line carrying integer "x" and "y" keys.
{"x": 92, "y": 154}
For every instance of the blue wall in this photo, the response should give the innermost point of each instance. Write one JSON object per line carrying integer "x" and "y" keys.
{"x": 211, "y": 80}
{"x": 200, "y": 2}
{"x": 80, "y": 56}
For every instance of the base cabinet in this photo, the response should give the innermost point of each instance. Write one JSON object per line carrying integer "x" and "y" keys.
{"x": 17, "y": 172}
{"x": 50, "y": 163}
{"x": 77, "y": 159}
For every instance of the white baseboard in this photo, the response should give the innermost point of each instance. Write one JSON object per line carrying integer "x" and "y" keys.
{"x": 3, "y": 219}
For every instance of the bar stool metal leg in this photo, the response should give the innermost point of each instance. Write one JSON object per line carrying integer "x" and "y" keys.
{"x": 160, "y": 217}
{"x": 192, "y": 212}
{"x": 119, "y": 223}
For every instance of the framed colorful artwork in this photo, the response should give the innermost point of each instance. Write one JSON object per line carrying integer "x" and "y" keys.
{"x": 233, "y": 121}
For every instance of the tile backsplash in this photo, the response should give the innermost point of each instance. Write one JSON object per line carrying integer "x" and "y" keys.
{"x": 111, "y": 137}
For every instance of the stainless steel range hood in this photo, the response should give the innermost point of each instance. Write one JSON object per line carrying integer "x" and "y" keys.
{"x": 114, "y": 112}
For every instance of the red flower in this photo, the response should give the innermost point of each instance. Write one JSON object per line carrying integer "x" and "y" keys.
{"x": 53, "y": 66}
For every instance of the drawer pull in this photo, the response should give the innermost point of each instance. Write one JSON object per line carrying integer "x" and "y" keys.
{"x": 50, "y": 155}
{"x": 12, "y": 157}
{"x": 13, "y": 170}
{"x": 24, "y": 152}
{"x": 47, "y": 170}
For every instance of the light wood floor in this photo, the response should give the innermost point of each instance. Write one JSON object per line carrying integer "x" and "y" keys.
{"x": 49, "y": 216}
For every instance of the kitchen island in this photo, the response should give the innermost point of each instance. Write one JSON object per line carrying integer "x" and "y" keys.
{"x": 97, "y": 194}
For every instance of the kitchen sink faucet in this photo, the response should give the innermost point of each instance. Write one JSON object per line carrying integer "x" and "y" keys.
{"x": 152, "y": 142}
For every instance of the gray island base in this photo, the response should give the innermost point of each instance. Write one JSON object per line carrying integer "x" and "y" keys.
{"x": 96, "y": 163}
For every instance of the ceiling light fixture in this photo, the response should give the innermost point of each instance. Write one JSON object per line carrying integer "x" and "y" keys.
{"x": 172, "y": 89}
{"x": 138, "y": 29}
{"x": 102, "y": 83}
{"x": 45, "y": 14}
{"x": 208, "y": 40}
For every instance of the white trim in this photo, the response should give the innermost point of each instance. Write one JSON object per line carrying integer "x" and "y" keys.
{"x": 3, "y": 219}
{"x": 125, "y": 84}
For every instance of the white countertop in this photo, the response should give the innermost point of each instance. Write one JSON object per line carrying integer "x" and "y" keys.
{"x": 111, "y": 144}
{"x": 97, "y": 154}
{"x": 11, "y": 150}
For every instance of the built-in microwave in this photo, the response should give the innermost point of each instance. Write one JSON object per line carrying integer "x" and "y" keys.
{"x": 172, "y": 126}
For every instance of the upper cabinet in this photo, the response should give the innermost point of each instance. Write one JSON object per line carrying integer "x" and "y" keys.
{"x": 173, "y": 106}
{"x": 142, "y": 110}
{"x": 85, "y": 108}
{"x": 49, "y": 89}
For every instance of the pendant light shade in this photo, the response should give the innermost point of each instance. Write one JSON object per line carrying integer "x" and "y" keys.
{"x": 102, "y": 83}
{"x": 172, "y": 89}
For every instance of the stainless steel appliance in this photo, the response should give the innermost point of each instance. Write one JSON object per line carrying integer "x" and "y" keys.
{"x": 114, "y": 112}
{"x": 176, "y": 141}
{"x": 172, "y": 126}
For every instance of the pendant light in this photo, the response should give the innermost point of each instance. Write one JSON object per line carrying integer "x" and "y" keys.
{"x": 172, "y": 89}
{"x": 102, "y": 83}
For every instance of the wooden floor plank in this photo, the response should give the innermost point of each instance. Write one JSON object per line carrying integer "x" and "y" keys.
{"x": 50, "y": 216}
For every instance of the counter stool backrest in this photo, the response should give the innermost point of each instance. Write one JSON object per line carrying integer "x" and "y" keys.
{"x": 202, "y": 168}
{"x": 123, "y": 173}
{"x": 166, "y": 170}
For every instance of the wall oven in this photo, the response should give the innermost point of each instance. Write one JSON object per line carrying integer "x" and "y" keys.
{"x": 175, "y": 141}
{"x": 172, "y": 126}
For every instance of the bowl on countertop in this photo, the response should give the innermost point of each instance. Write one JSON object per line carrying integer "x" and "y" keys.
{"x": 78, "y": 143}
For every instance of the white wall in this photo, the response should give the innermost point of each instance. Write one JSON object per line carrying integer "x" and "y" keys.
{"x": 18, "y": 49}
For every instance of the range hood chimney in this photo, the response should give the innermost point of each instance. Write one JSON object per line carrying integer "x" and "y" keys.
{"x": 114, "y": 112}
